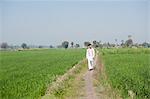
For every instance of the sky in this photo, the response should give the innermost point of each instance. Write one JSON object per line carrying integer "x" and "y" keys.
{"x": 49, "y": 22}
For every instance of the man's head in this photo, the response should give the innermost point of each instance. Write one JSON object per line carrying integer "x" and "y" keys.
{"x": 89, "y": 46}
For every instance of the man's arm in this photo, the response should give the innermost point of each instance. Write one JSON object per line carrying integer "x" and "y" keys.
{"x": 86, "y": 53}
{"x": 93, "y": 53}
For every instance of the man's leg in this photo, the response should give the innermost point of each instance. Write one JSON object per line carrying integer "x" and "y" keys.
{"x": 89, "y": 64}
{"x": 92, "y": 64}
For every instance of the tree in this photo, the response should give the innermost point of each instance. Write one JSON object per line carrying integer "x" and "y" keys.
{"x": 65, "y": 44}
{"x": 51, "y": 46}
{"x": 86, "y": 44}
{"x": 108, "y": 45}
{"x": 146, "y": 45}
{"x": 95, "y": 44}
{"x": 129, "y": 43}
{"x": 24, "y": 45}
{"x": 99, "y": 44}
{"x": 122, "y": 43}
{"x": 4, "y": 45}
{"x": 77, "y": 46}
{"x": 116, "y": 42}
{"x": 72, "y": 44}
{"x": 40, "y": 46}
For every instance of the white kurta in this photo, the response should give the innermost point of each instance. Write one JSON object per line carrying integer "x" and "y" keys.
{"x": 90, "y": 54}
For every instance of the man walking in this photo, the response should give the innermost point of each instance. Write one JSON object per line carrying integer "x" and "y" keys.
{"x": 90, "y": 54}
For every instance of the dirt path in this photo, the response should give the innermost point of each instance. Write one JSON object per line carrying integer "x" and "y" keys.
{"x": 82, "y": 84}
{"x": 90, "y": 92}
{"x": 89, "y": 80}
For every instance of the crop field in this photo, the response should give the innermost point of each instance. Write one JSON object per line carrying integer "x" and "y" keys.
{"x": 26, "y": 74}
{"x": 128, "y": 70}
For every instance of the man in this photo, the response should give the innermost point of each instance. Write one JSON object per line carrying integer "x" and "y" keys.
{"x": 90, "y": 54}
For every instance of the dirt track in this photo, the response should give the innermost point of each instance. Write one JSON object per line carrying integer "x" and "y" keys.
{"x": 82, "y": 86}
{"x": 90, "y": 92}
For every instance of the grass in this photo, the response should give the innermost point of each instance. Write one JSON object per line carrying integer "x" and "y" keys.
{"x": 72, "y": 86}
{"x": 26, "y": 74}
{"x": 128, "y": 70}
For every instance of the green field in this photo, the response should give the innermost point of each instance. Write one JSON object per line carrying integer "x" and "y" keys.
{"x": 128, "y": 69}
{"x": 26, "y": 74}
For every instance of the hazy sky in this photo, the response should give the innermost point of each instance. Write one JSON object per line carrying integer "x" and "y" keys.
{"x": 53, "y": 21}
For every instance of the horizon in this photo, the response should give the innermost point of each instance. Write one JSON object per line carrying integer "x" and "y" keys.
{"x": 39, "y": 22}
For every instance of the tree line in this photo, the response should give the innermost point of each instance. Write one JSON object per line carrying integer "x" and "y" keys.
{"x": 97, "y": 44}
{"x": 64, "y": 44}
{"x": 123, "y": 44}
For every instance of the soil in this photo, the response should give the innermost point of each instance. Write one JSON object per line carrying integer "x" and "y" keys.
{"x": 89, "y": 88}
